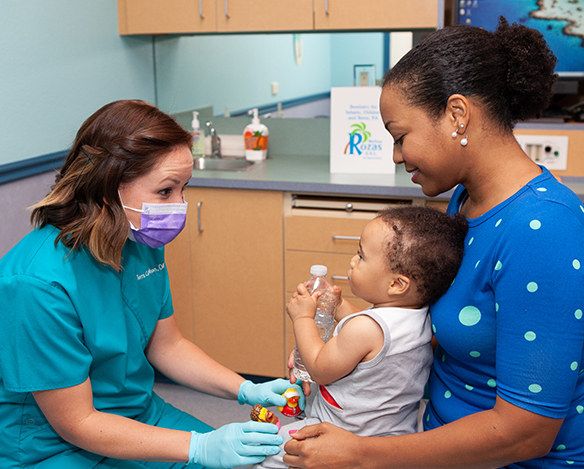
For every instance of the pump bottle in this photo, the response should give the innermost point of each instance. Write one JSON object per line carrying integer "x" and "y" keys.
{"x": 198, "y": 148}
{"x": 255, "y": 138}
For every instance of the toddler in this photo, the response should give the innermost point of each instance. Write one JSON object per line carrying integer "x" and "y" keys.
{"x": 373, "y": 370}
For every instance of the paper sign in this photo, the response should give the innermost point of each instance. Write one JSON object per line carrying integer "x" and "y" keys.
{"x": 359, "y": 141}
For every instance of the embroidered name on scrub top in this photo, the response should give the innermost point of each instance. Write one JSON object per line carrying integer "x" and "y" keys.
{"x": 158, "y": 268}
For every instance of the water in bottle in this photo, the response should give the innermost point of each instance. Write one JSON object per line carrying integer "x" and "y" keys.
{"x": 324, "y": 317}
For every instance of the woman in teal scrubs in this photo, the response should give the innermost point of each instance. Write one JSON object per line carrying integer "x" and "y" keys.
{"x": 87, "y": 315}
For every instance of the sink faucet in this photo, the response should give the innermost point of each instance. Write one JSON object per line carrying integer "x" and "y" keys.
{"x": 215, "y": 140}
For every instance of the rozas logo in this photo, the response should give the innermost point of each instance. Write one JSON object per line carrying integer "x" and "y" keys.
{"x": 360, "y": 142}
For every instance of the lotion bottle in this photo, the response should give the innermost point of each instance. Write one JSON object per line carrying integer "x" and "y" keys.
{"x": 255, "y": 138}
{"x": 198, "y": 148}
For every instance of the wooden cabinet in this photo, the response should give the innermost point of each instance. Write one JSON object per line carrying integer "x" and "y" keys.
{"x": 264, "y": 15}
{"x": 213, "y": 16}
{"x": 218, "y": 16}
{"x": 226, "y": 278}
{"x": 376, "y": 14}
{"x": 166, "y": 17}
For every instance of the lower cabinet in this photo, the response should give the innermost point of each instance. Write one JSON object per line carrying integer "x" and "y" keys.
{"x": 226, "y": 273}
{"x": 240, "y": 258}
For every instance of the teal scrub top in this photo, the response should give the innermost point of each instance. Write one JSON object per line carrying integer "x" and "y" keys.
{"x": 66, "y": 317}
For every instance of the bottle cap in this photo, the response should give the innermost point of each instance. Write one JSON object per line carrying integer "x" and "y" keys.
{"x": 195, "y": 121}
{"x": 255, "y": 119}
{"x": 318, "y": 270}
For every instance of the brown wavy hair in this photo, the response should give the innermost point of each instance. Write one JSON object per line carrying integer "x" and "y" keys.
{"x": 116, "y": 145}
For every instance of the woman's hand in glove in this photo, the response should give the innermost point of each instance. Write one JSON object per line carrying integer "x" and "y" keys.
{"x": 269, "y": 393}
{"x": 236, "y": 444}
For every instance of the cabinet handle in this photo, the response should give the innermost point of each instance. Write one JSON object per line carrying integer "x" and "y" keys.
{"x": 199, "y": 204}
{"x": 326, "y": 7}
{"x": 352, "y": 238}
{"x": 227, "y": 8}
{"x": 339, "y": 277}
{"x": 201, "y": 9}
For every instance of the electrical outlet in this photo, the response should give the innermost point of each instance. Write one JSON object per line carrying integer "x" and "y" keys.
{"x": 550, "y": 151}
{"x": 364, "y": 79}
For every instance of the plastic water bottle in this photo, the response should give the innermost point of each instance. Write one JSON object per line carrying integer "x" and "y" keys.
{"x": 324, "y": 317}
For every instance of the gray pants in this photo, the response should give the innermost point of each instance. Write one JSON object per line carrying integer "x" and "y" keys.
{"x": 276, "y": 462}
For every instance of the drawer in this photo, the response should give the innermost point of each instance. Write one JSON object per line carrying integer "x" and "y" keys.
{"x": 324, "y": 234}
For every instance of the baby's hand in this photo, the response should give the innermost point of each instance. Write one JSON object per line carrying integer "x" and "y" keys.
{"x": 338, "y": 293}
{"x": 302, "y": 304}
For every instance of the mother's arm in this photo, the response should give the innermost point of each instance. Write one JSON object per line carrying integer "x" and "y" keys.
{"x": 488, "y": 439}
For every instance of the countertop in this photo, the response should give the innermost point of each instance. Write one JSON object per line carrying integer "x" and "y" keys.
{"x": 299, "y": 162}
{"x": 310, "y": 174}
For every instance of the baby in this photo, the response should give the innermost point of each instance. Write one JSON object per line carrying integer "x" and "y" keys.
{"x": 373, "y": 370}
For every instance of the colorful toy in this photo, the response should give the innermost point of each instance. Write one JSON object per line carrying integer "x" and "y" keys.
{"x": 291, "y": 409}
{"x": 261, "y": 414}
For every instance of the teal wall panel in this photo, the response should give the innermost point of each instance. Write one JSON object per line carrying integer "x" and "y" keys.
{"x": 60, "y": 60}
{"x": 349, "y": 49}
{"x": 238, "y": 70}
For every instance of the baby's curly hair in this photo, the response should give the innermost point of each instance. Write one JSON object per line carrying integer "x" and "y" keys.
{"x": 426, "y": 246}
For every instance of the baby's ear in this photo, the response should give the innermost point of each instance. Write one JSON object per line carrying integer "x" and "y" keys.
{"x": 398, "y": 285}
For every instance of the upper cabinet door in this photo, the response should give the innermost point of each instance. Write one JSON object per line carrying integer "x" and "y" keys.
{"x": 167, "y": 17}
{"x": 264, "y": 15}
{"x": 375, "y": 14}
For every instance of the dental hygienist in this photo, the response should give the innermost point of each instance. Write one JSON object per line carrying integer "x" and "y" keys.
{"x": 87, "y": 315}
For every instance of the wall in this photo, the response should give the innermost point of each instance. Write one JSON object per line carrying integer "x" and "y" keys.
{"x": 349, "y": 49}
{"x": 237, "y": 70}
{"x": 16, "y": 197}
{"x": 62, "y": 60}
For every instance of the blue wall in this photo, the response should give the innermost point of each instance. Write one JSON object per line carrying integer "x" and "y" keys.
{"x": 349, "y": 49}
{"x": 60, "y": 60}
{"x": 237, "y": 71}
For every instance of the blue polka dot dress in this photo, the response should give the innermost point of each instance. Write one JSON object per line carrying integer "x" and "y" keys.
{"x": 512, "y": 322}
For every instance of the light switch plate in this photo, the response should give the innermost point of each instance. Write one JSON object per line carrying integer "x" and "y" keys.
{"x": 550, "y": 151}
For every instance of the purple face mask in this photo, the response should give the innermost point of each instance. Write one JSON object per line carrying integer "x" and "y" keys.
{"x": 160, "y": 223}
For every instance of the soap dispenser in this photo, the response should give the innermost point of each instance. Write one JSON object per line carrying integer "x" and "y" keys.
{"x": 198, "y": 148}
{"x": 255, "y": 138}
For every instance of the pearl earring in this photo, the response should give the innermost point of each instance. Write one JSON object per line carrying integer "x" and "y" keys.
{"x": 464, "y": 141}
{"x": 455, "y": 133}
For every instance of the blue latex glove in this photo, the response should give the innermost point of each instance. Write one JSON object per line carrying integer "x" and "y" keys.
{"x": 236, "y": 444}
{"x": 269, "y": 393}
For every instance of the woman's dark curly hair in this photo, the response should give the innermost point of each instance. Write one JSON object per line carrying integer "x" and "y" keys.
{"x": 509, "y": 71}
{"x": 426, "y": 246}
